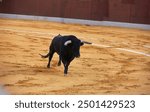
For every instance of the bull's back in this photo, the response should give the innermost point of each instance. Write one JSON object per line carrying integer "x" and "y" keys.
{"x": 56, "y": 44}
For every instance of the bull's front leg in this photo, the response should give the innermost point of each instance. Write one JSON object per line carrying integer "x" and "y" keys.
{"x": 66, "y": 70}
{"x": 66, "y": 64}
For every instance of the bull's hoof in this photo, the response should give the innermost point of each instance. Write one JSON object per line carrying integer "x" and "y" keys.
{"x": 48, "y": 66}
{"x": 65, "y": 73}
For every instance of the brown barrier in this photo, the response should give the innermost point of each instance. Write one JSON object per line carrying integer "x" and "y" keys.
{"x": 135, "y": 11}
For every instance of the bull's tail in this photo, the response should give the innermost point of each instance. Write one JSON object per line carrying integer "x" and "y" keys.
{"x": 44, "y": 56}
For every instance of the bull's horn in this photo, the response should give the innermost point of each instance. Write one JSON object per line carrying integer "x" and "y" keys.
{"x": 86, "y": 42}
{"x": 67, "y": 42}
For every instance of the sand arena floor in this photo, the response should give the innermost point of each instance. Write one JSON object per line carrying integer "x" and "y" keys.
{"x": 109, "y": 69}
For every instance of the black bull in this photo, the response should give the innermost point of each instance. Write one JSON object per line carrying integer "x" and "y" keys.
{"x": 67, "y": 47}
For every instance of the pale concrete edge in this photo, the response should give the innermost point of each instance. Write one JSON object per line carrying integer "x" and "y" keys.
{"x": 77, "y": 21}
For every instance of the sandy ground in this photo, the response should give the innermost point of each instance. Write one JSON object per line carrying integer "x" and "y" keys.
{"x": 99, "y": 70}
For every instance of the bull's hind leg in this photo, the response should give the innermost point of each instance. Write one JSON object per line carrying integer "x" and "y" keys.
{"x": 50, "y": 58}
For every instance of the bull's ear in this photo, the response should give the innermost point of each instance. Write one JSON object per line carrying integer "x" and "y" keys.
{"x": 82, "y": 43}
{"x": 67, "y": 42}
{"x": 58, "y": 35}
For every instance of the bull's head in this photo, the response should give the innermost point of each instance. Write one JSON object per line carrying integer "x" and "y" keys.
{"x": 76, "y": 46}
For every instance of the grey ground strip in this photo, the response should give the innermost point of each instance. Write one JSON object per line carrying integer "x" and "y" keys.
{"x": 78, "y": 21}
